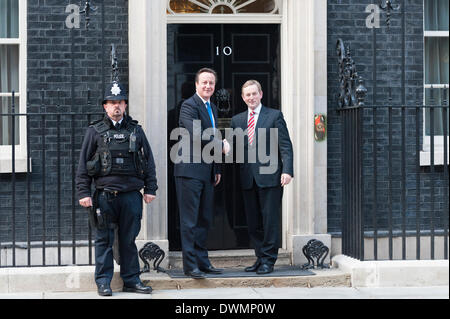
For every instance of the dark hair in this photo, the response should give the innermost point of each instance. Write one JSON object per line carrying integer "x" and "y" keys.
{"x": 205, "y": 70}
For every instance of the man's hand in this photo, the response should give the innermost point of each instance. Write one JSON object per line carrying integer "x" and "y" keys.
{"x": 285, "y": 179}
{"x": 218, "y": 177}
{"x": 149, "y": 198}
{"x": 86, "y": 202}
{"x": 226, "y": 147}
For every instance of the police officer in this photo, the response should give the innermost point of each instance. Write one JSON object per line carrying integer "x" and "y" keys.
{"x": 117, "y": 156}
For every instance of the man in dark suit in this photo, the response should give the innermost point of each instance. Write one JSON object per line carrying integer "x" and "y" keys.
{"x": 262, "y": 183}
{"x": 196, "y": 178}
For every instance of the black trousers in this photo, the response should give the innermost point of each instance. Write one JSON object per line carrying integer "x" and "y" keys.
{"x": 262, "y": 209}
{"x": 196, "y": 204}
{"x": 124, "y": 209}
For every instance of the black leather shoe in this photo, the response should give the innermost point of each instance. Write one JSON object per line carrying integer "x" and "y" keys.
{"x": 254, "y": 267}
{"x": 139, "y": 288}
{"x": 264, "y": 269}
{"x": 104, "y": 290}
{"x": 212, "y": 270}
{"x": 195, "y": 274}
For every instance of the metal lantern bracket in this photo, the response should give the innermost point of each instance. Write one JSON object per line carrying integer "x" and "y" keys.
{"x": 87, "y": 11}
{"x": 388, "y": 6}
{"x": 352, "y": 89}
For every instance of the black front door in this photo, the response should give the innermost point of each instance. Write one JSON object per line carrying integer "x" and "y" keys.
{"x": 238, "y": 53}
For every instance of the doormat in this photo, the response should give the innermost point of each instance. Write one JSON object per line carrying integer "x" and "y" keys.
{"x": 282, "y": 271}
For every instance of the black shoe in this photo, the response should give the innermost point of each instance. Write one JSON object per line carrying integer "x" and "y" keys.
{"x": 104, "y": 290}
{"x": 264, "y": 269}
{"x": 254, "y": 267}
{"x": 212, "y": 270}
{"x": 139, "y": 288}
{"x": 195, "y": 274}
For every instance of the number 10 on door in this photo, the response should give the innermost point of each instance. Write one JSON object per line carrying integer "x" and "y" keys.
{"x": 226, "y": 51}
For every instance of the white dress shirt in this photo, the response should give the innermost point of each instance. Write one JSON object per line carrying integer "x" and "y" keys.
{"x": 114, "y": 122}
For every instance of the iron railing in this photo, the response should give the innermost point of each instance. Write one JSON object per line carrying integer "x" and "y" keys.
{"x": 388, "y": 190}
{"x": 394, "y": 173}
{"x": 43, "y": 224}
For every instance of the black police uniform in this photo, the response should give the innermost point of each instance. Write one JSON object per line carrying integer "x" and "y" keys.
{"x": 120, "y": 161}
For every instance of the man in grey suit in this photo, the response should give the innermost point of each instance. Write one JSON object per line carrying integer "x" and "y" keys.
{"x": 196, "y": 178}
{"x": 262, "y": 183}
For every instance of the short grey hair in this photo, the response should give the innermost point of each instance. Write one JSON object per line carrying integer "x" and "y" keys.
{"x": 250, "y": 83}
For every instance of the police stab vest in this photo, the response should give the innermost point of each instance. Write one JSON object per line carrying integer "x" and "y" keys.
{"x": 117, "y": 153}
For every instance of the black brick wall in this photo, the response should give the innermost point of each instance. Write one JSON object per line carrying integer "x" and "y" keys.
{"x": 52, "y": 50}
{"x": 347, "y": 20}
{"x": 50, "y": 46}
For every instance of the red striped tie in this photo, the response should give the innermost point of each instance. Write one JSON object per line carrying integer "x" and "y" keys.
{"x": 251, "y": 128}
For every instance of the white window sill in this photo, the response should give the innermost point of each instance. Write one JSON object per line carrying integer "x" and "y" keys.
{"x": 20, "y": 165}
{"x": 425, "y": 158}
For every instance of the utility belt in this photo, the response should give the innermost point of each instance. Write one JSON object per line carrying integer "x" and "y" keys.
{"x": 110, "y": 194}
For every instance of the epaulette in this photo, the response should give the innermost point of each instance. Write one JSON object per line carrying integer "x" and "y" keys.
{"x": 133, "y": 123}
{"x": 101, "y": 127}
{"x": 95, "y": 122}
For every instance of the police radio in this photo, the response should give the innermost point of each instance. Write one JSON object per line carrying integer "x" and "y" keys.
{"x": 132, "y": 148}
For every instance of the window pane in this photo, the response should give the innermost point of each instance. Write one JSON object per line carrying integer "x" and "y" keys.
{"x": 9, "y": 18}
{"x": 436, "y": 61}
{"x": 257, "y": 6}
{"x": 436, "y": 15}
{"x": 9, "y": 68}
{"x": 222, "y": 7}
{"x": 436, "y": 99}
{"x": 6, "y": 121}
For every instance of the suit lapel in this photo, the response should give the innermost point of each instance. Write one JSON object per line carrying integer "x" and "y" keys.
{"x": 244, "y": 125}
{"x": 215, "y": 113}
{"x": 261, "y": 122}
{"x": 244, "y": 121}
{"x": 203, "y": 110}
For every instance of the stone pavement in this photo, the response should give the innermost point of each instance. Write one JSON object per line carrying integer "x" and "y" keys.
{"x": 438, "y": 292}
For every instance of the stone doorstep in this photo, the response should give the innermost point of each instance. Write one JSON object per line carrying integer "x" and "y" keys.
{"x": 322, "y": 278}
{"x": 81, "y": 279}
{"x": 230, "y": 258}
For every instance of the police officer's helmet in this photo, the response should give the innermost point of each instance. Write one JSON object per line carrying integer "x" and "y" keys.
{"x": 115, "y": 92}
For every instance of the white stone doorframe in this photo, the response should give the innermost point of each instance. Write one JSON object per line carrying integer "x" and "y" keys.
{"x": 304, "y": 93}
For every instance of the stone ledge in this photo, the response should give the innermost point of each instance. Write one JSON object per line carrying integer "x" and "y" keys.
{"x": 81, "y": 279}
{"x": 395, "y": 273}
{"x": 52, "y": 279}
{"x": 323, "y": 278}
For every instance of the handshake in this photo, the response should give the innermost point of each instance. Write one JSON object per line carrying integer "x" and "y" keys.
{"x": 226, "y": 147}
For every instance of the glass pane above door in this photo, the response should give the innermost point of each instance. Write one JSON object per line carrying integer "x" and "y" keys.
{"x": 223, "y": 6}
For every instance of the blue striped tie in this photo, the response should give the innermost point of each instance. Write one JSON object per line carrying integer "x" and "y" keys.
{"x": 211, "y": 116}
